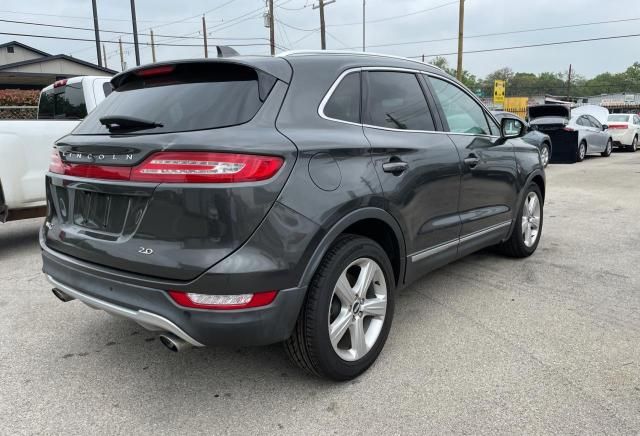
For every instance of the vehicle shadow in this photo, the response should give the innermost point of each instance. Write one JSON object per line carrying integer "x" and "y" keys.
{"x": 18, "y": 236}
{"x": 130, "y": 352}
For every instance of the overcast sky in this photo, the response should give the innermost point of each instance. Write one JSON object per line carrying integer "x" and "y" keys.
{"x": 235, "y": 20}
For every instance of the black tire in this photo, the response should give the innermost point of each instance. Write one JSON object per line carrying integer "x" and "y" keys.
{"x": 515, "y": 246}
{"x": 634, "y": 145}
{"x": 579, "y": 154}
{"x": 608, "y": 149}
{"x": 309, "y": 346}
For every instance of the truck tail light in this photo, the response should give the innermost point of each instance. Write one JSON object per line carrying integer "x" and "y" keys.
{"x": 222, "y": 302}
{"x": 178, "y": 167}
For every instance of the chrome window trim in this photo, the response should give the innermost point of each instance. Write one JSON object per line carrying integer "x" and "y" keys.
{"x": 436, "y": 249}
{"x": 345, "y": 73}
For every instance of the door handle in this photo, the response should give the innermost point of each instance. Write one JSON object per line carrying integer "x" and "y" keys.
{"x": 395, "y": 167}
{"x": 471, "y": 161}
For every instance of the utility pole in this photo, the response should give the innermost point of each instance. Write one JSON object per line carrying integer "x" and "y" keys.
{"x": 272, "y": 29}
{"x": 121, "y": 54}
{"x": 321, "y": 5}
{"x": 97, "y": 30}
{"x": 135, "y": 31}
{"x": 460, "y": 38}
{"x": 364, "y": 25}
{"x": 569, "y": 83}
{"x": 104, "y": 54}
{"x": 204, "y": 34}
{"x": 153, "y": 46}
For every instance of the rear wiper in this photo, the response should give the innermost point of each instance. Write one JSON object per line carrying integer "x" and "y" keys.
{"x": 124, "y": 122}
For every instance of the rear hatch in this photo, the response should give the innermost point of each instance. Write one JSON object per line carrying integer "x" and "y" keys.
{"x": 174, "y": 170}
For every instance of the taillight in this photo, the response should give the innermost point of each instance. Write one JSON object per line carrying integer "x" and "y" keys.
{"x": 59, "y": 83}
{"x": 56, "y": 165}
{"x": 223, "y": 302}
{"x": 179, "y": 167}
{"x": 618, "y": 126}
{"x": 203, "y": 167}
{"x": 568, "y": 129}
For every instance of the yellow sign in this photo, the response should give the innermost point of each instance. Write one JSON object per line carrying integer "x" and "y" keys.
{"x": 517, "y": 105}
{"x": 498, "y": 91}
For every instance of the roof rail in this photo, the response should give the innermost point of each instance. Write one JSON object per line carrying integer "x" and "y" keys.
{"x": 355, "y": 53}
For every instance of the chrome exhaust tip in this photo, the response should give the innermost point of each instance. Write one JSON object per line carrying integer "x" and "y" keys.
{"x": 61, "y": 295}
{"x": 174, "y": 343}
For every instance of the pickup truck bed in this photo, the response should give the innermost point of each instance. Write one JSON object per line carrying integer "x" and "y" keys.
{"x": 25, "y": 145}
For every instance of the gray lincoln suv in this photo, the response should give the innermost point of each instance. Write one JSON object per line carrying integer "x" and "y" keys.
{"x": 255, "y": 200}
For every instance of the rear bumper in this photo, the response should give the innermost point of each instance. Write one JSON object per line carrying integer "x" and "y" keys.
{"x": 155, "y": 310}
{"x": 622, "y": 138}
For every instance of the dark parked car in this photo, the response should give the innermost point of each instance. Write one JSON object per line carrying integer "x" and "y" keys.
{"x": 533, "y": 137}
{"x": 255, "y": 200}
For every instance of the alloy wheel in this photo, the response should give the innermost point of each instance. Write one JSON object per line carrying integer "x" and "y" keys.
{"x": 582, "y": 151}
{"x": 357, "y": 310}
{"x": 544, "y": 155}
{"x": 634, "y": 144}
{"x": 531, "y": 219}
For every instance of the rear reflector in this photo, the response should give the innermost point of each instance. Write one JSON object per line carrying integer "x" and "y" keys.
{"x": 223, "y": 302}
{"x": 618, "y": 126}
{"x": 179, "y": 167}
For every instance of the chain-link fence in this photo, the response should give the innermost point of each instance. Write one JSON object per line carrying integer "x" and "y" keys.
{"x": 18, "y": 112}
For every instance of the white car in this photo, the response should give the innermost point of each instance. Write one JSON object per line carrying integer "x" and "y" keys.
{"x": 625, "y": 130}
{"x": 26, "y": 145}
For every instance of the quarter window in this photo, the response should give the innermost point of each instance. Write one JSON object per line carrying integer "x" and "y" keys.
{"x": 396, "y": 101}
{"x": 462, "y": 112}
{"x": 344, "y": 103}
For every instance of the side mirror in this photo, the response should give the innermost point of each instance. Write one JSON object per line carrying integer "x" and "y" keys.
{"x": 512, "y": 128}
{"x": 605, "y": 127}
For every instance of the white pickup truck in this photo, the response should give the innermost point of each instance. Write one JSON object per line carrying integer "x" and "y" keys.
{"x": 25, "y": 145}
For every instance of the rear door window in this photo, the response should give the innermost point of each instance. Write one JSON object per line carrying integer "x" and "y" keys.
{"x": 463, "y": 113}
{"x": 396, "y": 101}
{"x": 344, "y": 103}
{"x": 189, "y": 97}
{"x": 63, "y": 103}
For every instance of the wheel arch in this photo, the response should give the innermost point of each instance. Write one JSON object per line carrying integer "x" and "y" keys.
{"x": 371, "y": 222}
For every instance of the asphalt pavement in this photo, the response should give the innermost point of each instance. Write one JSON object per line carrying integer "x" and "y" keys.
{"x": 487, "y": 345}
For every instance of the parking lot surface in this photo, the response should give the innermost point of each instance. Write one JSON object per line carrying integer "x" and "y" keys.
{"x": 485, "y": 345}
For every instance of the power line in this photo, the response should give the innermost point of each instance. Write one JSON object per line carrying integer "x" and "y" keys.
{"x": 511, "y": 32}
{"x": 294, "y": 27}
{"x": 545, "y": 44}
{"x": 31, "y": 35}
{"x": 395, "y": 17}
{"x": 78, "y": 17}
{"x": 117, "y": 32}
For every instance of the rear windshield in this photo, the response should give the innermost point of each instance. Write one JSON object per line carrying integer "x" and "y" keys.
{"x": 191, "y": 97}
{"x": 619, "y": 118}
{"x": 63, "y": 103}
